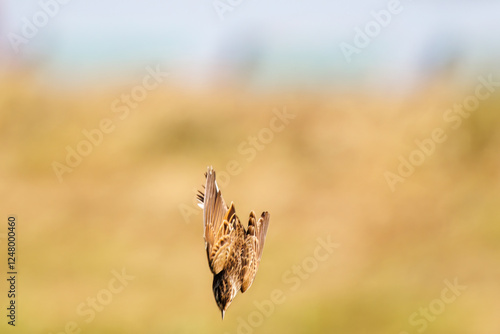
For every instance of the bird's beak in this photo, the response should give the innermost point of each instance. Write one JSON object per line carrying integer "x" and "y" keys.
{"x": 223, "y": 314}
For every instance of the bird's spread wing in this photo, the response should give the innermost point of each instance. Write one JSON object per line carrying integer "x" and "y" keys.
{"x": 226, "y": 242}
{"x": 218, "y": 224}
{"x": 253, "y": 247}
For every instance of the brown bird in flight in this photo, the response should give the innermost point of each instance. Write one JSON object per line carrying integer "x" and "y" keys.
{"x": 233, "y": 252}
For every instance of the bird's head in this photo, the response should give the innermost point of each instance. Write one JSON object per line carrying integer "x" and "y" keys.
{"x": 224, "y": 292}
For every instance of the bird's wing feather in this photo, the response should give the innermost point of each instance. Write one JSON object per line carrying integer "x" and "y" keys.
{"x": 218, "y": 223}
{"x": 214, "y": 209}
{"x": 225, "y": 245}
{"x": 253, "y": 247}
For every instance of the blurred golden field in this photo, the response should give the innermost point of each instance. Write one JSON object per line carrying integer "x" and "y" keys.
{"x": 128, "y": 206}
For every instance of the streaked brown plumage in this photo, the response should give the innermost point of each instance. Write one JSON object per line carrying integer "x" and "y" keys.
{"x": 233, "y": 252}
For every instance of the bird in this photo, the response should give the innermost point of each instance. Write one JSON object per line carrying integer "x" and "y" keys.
{"x": 233, "y": 252}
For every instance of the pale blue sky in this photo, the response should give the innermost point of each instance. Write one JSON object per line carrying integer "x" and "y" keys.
{"x": 288, "y": 40}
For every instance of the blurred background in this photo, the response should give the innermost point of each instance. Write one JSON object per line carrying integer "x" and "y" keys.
{"x": 323, "y": 113}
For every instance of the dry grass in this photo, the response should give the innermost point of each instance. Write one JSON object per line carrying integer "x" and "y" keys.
{"x": 323, "y": 175}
